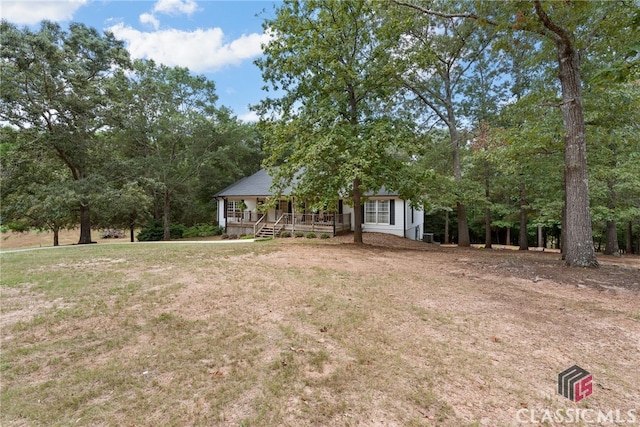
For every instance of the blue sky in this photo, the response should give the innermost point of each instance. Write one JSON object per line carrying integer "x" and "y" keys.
{"x": 219, "y": 39}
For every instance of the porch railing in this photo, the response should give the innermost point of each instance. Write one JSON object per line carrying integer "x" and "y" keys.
{"x": 343, "y": 223}
{"x": 339, "y": 222}
{"x": 244, "y": 216}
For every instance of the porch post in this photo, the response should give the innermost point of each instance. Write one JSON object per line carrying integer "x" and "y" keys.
{"x": 334, "y": 224}
{"x": 225, "y": 206}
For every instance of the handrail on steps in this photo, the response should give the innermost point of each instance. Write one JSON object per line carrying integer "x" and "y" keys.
{"x": 255, "y": 226}
{"x": 276, "y": 225}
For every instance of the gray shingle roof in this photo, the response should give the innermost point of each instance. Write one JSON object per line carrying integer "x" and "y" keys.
{"x": 259, "y": 185}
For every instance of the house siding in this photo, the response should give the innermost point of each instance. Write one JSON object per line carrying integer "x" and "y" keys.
{"x": 403, "y": 221}
{"x": 402, "y": 226}
{"x": 415, "y": 221}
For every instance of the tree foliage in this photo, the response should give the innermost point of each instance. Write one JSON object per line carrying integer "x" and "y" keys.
{"x": 180, "y": 140}
{"x": 444, "y": 66}
{"x": 570, "y": 31}
{"x": 411, "y": 96}
{"x": 36, "y": 190}
{"x": 127, "y": 135}
{"x": 329, "y": 130}
{"x": 56, "y": 86}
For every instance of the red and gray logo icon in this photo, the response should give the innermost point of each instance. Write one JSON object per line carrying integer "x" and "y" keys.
{"x": 575, "y": 383}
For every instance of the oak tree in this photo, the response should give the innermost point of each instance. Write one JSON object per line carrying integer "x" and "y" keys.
{"x": 57, "y": 85}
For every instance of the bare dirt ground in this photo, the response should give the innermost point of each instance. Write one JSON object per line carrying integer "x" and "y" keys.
{"x": 34, "y": 239}
{"x": 323, "y": 333}
{"x": 614, "y": 272}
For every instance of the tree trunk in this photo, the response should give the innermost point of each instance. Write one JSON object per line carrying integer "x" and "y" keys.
{"x": 446, "y": 227}
{"x": 629, "y": 242}
{"x": 463, "y": 226}
{"x": 156, "y": 206}
{"x": 85, "y": 224}
{"x": 56, "y": 236}
{"x": 611, "y": 245}
{"x": 131, "y": 234}
{"x": 487, "y": 216}
{"x": 357, "y": 212}
{"x": 487, "y": 228}
{"x": 540, "y": 237}
{"x": 563, "y": 230}
{"x": 508, "y": 239}
{"x": 523, "y": 239}
{"x": 165, "y": 216}
{"x": 579, "y": 248}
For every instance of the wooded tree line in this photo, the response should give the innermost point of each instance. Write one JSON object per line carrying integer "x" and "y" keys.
{"x": 483, "y": 113}
{"x": 93, "y": 138}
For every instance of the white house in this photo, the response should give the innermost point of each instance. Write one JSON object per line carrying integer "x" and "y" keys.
{"x": 240, "y": 211}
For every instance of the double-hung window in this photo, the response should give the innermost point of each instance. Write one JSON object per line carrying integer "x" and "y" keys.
{"x": 376, "y": 212}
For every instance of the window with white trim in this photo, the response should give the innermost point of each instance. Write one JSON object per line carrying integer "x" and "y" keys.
{"x": 376, "y": 212}
{"x": 233, "y": 205}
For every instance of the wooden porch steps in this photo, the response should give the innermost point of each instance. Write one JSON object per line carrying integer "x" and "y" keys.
{"x": 268, "y": 230}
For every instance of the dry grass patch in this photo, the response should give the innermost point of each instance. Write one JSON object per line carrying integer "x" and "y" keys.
{"x": 309, "y": 333}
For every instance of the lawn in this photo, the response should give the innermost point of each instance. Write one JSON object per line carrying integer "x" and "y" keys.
{"x": 302, "y": 332}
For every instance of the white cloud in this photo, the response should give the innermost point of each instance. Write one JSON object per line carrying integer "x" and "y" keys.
{"x": 147, "y": 18}
{"x": 168, "y": 7}
{"x": 32, "y": 12}
{"x": 199, "y": 50}
{"x": 250, "y": 117}
{"x": 175, "y": 7}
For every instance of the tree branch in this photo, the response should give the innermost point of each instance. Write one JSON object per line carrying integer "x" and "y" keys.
{"x": 442, "y": 14}
{"x": 561, "y": 34}
{"x": 556, "y": 104}
{"x": 479, "y": 18}
{"x": 426, "y": 102}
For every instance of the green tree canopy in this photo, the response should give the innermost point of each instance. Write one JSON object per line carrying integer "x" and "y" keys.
{"x": 56, "y": 86}
{"x": 330, "y": 128}
{"x": 570, "y": 31}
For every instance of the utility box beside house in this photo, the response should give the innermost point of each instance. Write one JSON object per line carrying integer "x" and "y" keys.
{"x": 427, "y": 237}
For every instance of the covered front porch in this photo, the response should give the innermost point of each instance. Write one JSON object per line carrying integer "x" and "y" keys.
{"x": 263, "y": 225}
{"x": 330, "y": 223}
{"x": 249, "y": 207}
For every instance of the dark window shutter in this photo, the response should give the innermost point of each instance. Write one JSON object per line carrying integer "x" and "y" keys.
{"x": 225, "y": 209}
{"x": 340, "y": 207}
{"x": 392, "y": 212}
{"x": 362, "y": 213}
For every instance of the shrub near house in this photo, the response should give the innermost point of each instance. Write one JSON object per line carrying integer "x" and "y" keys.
{"x": 154, "y": 231}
